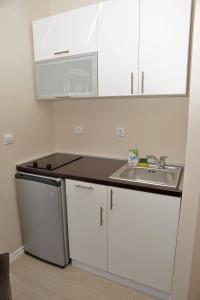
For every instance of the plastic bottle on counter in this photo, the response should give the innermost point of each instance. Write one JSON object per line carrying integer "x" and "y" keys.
{"x": 133, "y": 155}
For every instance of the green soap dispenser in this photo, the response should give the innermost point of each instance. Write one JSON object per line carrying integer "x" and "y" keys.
{"x": 133, "y": 155}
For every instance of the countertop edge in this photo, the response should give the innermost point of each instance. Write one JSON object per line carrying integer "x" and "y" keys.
{"x": 106, "y": 181}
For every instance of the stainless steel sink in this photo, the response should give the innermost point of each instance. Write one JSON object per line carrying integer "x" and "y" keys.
{"x": 169, "y": 177}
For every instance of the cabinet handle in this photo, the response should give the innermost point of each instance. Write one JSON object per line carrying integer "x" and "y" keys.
{"x": 132, "y": 83}
{"x": 84, "y": 186}
{"x": 111, "y": 199}
{"x": 61, "y": 97}
{"x": 101, "y": 216}
{"x": 61, "y": 52}
{"x": 142, "y": 85}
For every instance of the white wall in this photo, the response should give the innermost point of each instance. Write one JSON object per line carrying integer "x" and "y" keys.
{"x": 56, "y": 7}
{"x": 187, "y": 244}
{"x": 158, "y": 126}
{"x": 31, "y": 122}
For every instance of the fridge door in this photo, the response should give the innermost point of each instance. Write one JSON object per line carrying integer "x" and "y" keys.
{"x": 42, "y": 217}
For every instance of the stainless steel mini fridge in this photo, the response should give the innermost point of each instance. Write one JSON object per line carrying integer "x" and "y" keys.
{"x": 43, "y": 215}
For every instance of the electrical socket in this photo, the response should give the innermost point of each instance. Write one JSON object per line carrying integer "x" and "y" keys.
{"x": 8, "y": 138}
{"x": 78, "y": 130}
{"x": 120, "y": 131}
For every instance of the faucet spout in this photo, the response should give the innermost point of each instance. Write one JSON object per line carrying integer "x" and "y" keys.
{"x": 155, "y": 159}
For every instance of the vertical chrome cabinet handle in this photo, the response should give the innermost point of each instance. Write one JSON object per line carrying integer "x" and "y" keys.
{"x": 132, "y": 83}
{"x": 142, "y": 85}
{"x": 101, "y": 216}
{"x": 111, "y": 199}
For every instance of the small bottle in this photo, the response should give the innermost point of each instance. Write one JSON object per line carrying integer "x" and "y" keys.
{"x": 133, "y": 155}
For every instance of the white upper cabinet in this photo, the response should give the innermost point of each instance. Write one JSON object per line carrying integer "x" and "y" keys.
{"x": 71, "y": 33}
{"x": 143, "y": 47}
{"x": 118, "y": 38}
{"x": 164, "y": 43}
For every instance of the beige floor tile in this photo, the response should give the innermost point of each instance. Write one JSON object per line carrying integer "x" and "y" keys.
{"x": 32, "y": 279}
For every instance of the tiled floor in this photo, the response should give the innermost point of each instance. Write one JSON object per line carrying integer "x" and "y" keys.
{"x": 32, "y": 279}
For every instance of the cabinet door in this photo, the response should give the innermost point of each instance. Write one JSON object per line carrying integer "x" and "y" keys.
{"x": 82, "y": 76}
{"x": 87, "y": 223}
{"x": 69, "y": 77}
{"x": 46, "y": 37}
{"x": 164, "y": 42}
{"x": 81, "y": 35}
{"x": 142, "y": 232}
{"x": 118, "y": 41}
{"x": 70, "y": 33}
{"x": 51, "y": 79}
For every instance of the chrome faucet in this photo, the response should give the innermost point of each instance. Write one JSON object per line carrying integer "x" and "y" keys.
{"x": 161, "y": 162}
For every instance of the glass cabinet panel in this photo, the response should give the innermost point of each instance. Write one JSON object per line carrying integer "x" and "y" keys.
{"x": 82, "y": 76}
{"x": 74, "y": 76}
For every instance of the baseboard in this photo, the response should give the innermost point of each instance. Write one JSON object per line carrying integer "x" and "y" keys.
{"x": 16, "y": 254}
{"x": 144, "y": 289}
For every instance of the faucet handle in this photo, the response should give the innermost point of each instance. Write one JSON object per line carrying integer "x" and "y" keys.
{"x": 149, "y": 156}
{"x": 163, "y": 160}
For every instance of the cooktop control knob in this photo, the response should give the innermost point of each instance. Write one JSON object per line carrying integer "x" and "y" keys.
{"x": 35, "y": 164}
{"x": 48, "y": 166}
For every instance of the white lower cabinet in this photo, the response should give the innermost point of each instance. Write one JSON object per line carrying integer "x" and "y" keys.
{"x": 87, "y": 223}
{"x": 142, "y": 232}
{"x": 127, "y": 233}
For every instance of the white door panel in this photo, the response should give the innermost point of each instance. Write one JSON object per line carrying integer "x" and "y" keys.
{"x": 70, "y": 33}
{"x": 164, "y": 42}
{"x": 87, "y": 223}
{"x": 142, "y": 232}
{"x": 118, "y": 38}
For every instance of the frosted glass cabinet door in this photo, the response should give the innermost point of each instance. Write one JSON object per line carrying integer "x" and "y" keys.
{"x": 118, "y": 41}
{"x": 164, "y": 42}
{"x": 52, "y": 79}
{"x": 82, "y": 76}
{"x": 68, "y": 77}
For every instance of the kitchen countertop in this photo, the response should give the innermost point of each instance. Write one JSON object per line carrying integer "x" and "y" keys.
{"x": 98, "y": 170}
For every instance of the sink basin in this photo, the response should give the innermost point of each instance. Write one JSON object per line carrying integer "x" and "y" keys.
{"x": 169, "y": 177}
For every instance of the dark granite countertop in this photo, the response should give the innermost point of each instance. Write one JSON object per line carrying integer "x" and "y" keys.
{"x": 98, "y": 170}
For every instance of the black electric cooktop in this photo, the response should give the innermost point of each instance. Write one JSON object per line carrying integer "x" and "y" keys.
{"x": 53, "y": 161}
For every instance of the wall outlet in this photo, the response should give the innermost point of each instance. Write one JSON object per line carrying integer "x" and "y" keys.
{"x": 8, "y": 138}
{"x": 78, "y": 129}
{"x": 120, "y": 131}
